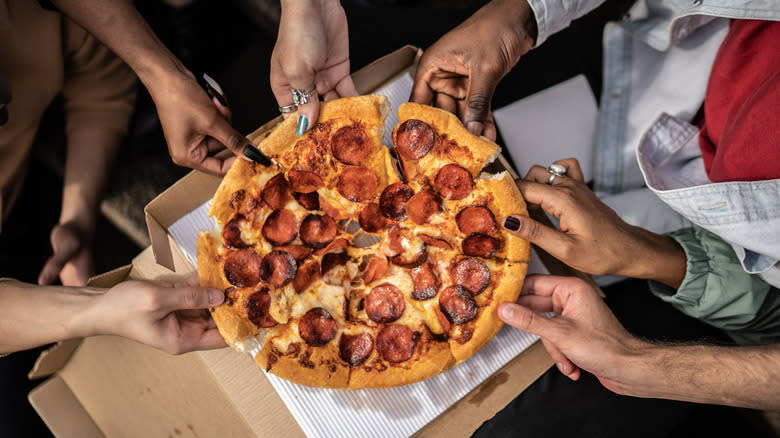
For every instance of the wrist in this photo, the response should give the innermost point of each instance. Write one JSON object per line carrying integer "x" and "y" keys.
{"x": 519, "y": 20}
{"x": 85, "y": 317}
{"x": 658, "y": 258}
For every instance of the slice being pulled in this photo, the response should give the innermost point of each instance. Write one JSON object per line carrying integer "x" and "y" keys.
{"x": 407, "y": 294}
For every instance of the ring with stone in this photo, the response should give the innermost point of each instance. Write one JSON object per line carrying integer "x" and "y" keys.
{"x": 286, "y": 109}
{"x": 555, "y": 170}
{"x": 301, "y": 95}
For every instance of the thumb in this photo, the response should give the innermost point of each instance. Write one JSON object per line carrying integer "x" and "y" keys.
{"x": 190, "y": 297}
{"x": 529, "y": 321}
{"x": 478, "y": 102}
{"x": 224, "y": 133}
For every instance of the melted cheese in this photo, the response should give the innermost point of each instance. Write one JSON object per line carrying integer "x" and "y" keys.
{"x": 320, "y": 294}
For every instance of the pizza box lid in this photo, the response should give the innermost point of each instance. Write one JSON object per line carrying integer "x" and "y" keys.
{"x": 110, "y": 386}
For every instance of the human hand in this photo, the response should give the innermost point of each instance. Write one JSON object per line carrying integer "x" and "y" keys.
{"x": 583, "y": 335}
{"x": 194, "y": 124}
{"x": 460, "y": 72}
{"x": 312, "y": 50}
{"x": 592, "y": 237}
{"x": 72, "y": 258}
{"x": 172, "y": 318}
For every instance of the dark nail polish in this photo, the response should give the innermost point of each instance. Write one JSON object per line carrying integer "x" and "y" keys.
{"x": 511, "y": 223}
{"x": 253, "y": 154}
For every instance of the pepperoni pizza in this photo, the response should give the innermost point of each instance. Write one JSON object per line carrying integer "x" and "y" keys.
{"x": 340, "y": 271}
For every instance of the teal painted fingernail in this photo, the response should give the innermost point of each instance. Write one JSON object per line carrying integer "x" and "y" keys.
{"x": 303, "y": 125}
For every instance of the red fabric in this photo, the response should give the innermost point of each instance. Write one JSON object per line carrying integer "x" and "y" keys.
{"x": 740, "y": 136}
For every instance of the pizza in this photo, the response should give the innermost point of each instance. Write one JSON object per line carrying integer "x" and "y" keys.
{"x": 347, "y": 264}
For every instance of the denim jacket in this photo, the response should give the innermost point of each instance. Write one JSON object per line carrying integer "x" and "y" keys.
{"x": 654, "y": 63}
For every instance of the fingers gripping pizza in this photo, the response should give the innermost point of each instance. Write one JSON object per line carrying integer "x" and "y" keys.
{"x": 339, "y": 272}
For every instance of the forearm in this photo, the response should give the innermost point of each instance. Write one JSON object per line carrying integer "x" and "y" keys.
{"x": 734, "y": 376}
{"x": 119, "y": 25}
{"x": 37, "y": 315}
{"x": 90, "y": 157}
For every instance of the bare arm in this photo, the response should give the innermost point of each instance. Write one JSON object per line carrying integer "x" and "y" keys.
{"x": 194, "y": 125}
{"x": 735, "y": 376}
{"x": 171, "y": 318}
{"x": 119, "y": 25}
{"x": 585, "y": 335}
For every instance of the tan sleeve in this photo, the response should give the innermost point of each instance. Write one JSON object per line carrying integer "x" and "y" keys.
{"x": 99, "y": 88}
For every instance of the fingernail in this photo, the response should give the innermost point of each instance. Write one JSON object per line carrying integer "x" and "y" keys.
{"x": 303, "y": 125}
{"x": 474, "y": 127}
{"x": 255, "y": 155}
{"x": 560, "y": 367}
{"x": 216, "y": 297}
{"x": 511, "y": 223}
{"x": 507, "y": 312}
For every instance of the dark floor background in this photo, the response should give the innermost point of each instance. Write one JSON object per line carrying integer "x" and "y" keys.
{"x": 232, "y": 41}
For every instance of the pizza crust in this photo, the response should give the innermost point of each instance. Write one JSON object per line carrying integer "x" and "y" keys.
{"x": 430, "y": 358}
{"x": 481, "y": 151}
{"x": 507, "y": 200}
{"x": 231, "y": 324}
{"x": 487, "y": 323}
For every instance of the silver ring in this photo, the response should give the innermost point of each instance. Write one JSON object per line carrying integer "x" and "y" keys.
{"x": 555, "y": 170}
{"x": 286, "y": 109}
{"x": 301, "y": 96}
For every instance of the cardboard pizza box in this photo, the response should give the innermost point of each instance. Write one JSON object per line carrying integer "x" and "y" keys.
{"x": 113, "y": 387}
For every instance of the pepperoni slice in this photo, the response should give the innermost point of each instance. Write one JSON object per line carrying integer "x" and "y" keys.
{"x": 395, "y": 343}
{"x": 371, "y": 219}
{"x": 357, "y": 183}
{"x": 236, "y": 199}
{"x": 278, "y": 268}
{"x": 299, "y": 252}
{"x": 395, "y": 239}
{"x": 303, "y": 181}
{"x": 309, "y": 201}
{"x": 257, "y": 308}
{"x": 375, "y": 269}
{"x": 433, "y": 241}
{"x": 318, "y": 230}
{"x": 425, "y": 282}
{"x": 410, "y": 261}
{"x": 317, "y": 327}
{"x": 457, "y": 305}
{"x": 422, "y": 206}
{"x": 413, "y": 139}
{"x": 476, "y": 219}
{"x": 307, "y": 274}
{"x": 480, "y": 245}
{"x": 231, "y": 294}
{"x": 355, "y": 349}
{"x": 350, "y": 144}
{"x": 242, "y": 268}
{"x": 231, "y": 233}
{"x": 392, "y": 201}
{"x": 471, "y": 273}
{"x": 331, "y": 260}
{"x": 453, "y": 182}
{"x": 385, "y": 303}
{"x": 276, "y": 192}
{"x": 339, "y": 243}
{"x": 280, "y": 227}
{"x": 445, "y": 323}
